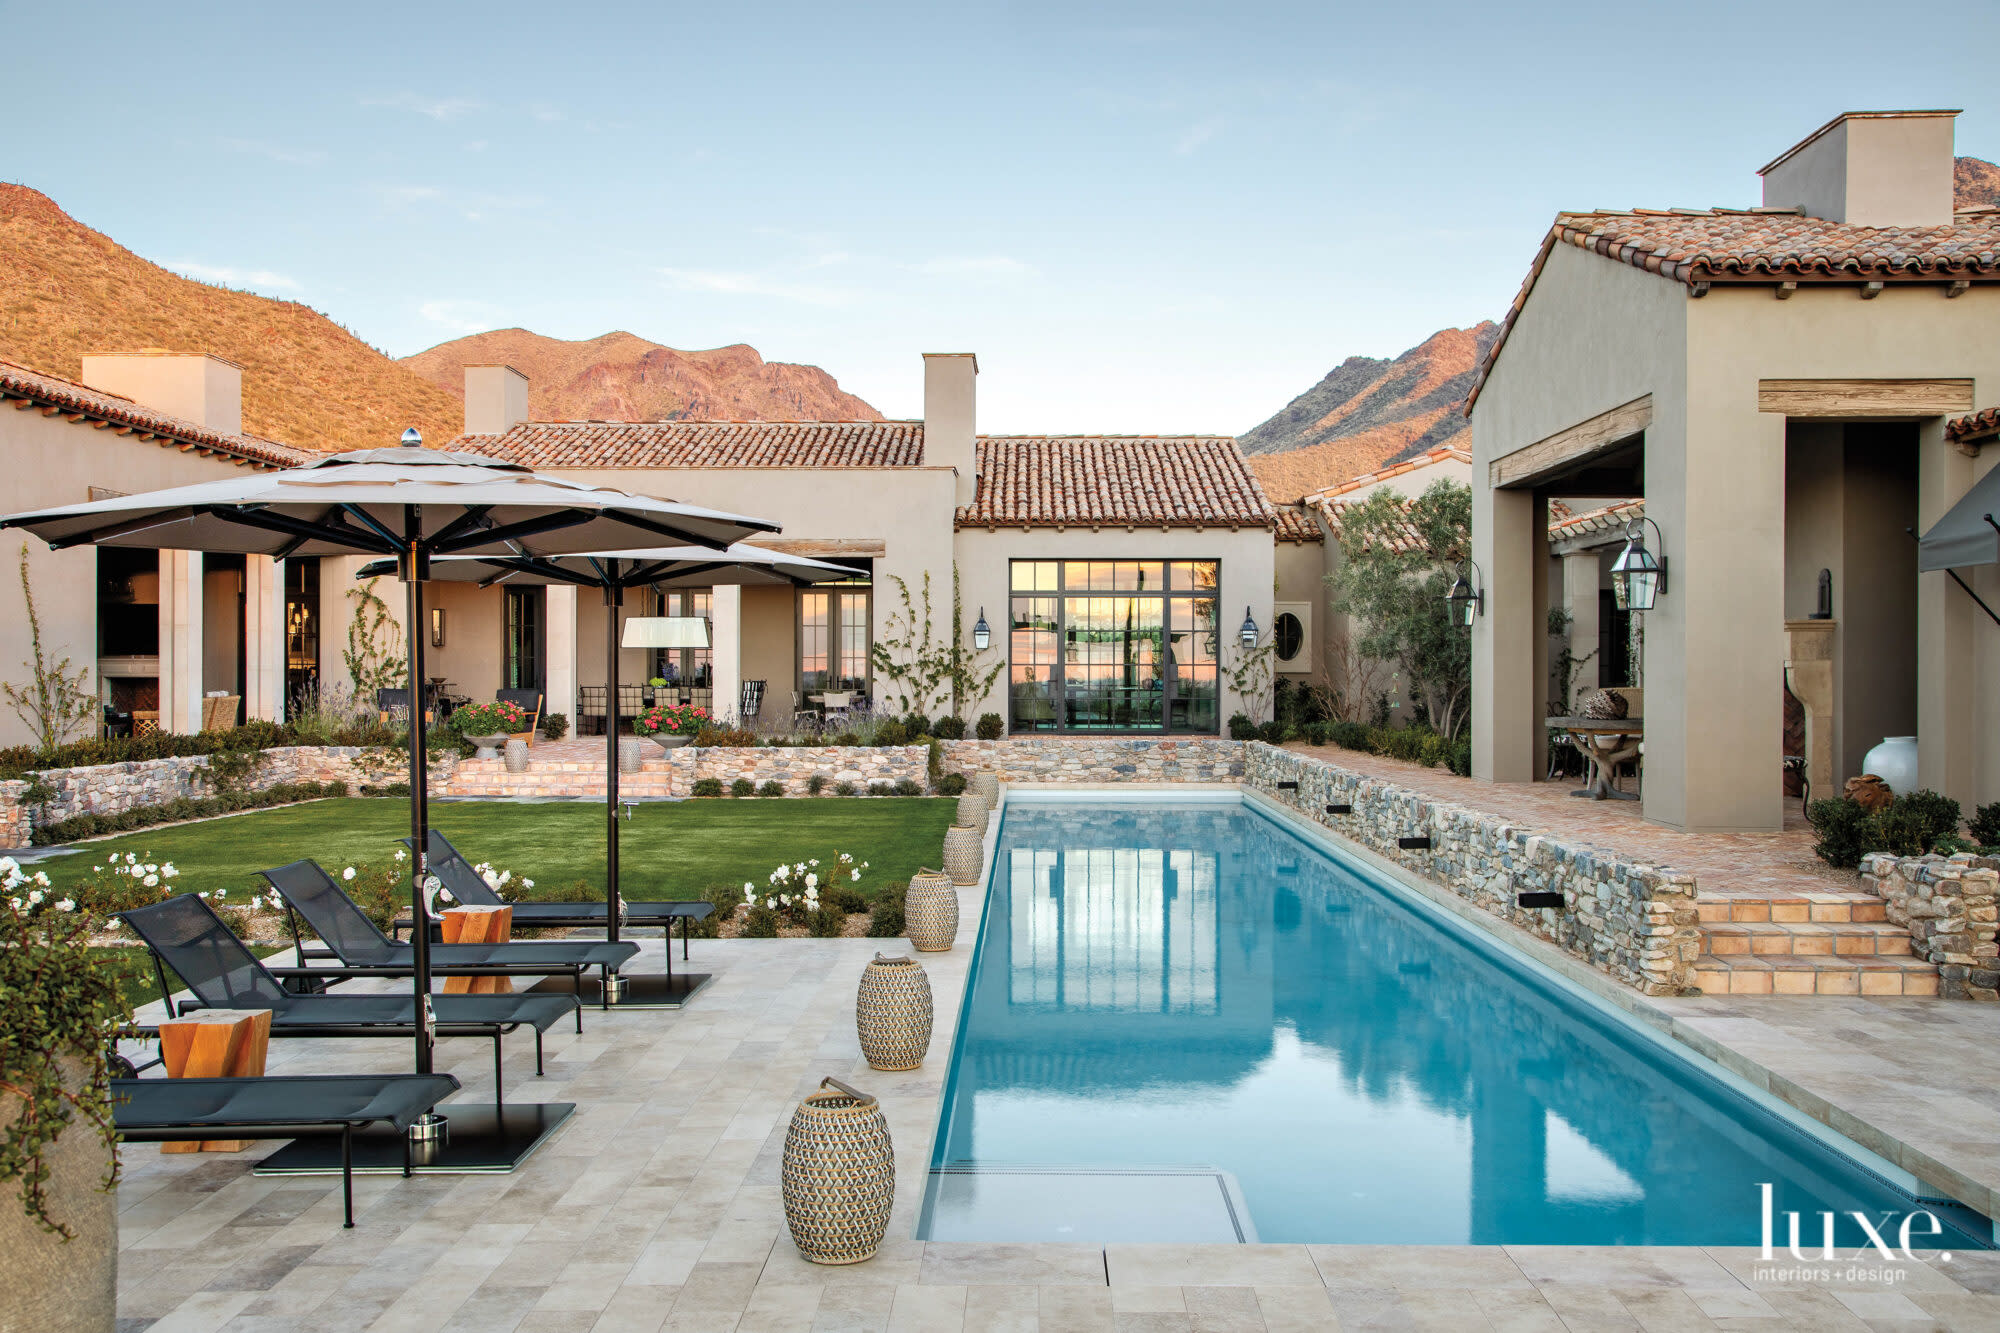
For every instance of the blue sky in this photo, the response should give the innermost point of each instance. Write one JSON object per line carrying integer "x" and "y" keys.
{"x": 1147, "y": 218}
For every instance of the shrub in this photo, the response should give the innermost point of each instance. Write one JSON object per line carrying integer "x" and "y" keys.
{"x": 494, "y": 717}
{"x": 905, "y": 787}
{"x": 725, "y": 898}
{"x": 1241, "y": 728}
{"x": 815, "y": 784}
{"x": 880, "y": 789}
{"x": 771, "y": 789}
{"x": 1349, "y": 735}
{"x": 990, "y": 727}
{"x": 181, "y": 809}
{"x": 1274, "y": 733}
{"x": 951, "y": 784}
{"x": 949, "y": 729}
{"x": 760, "y": 923}
{"x": 843, "y": 789}
{"x": 885, "y": 918}
{"x": 1911, "y": 824}
{"x": 1985, "y": 825}
{"x": 743, "y": 787}
{"x": 1318, "y": 733}
{"x": 555, "y": 725}
{"x": 826, "y": 923}
{"x": 732, "y": 736}
{"x": 708, "y": 787}
{"x": 844, "y": 738}
{"x": 892, "y": 732}
{"x": 846, "y": 898}
{"x": 916, "y": 724}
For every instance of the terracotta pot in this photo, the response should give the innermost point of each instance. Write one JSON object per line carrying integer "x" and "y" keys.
{"x": 930, "y": 911}
{"x": 892, "y": 1013}
{"x": 55, "y": 1285}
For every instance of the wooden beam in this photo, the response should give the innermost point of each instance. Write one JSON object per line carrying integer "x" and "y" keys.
{"x": 1870, "y": 290}
{"x": 1573, "y": 444}
{"x": 1786, "y": 290}
{"x": 1847, "y": 399}
{"x": 825, "y": 548}
{"x": 1957, "y": 289}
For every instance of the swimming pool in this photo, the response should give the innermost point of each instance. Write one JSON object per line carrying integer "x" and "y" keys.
{"x": 1188, "y": 1021}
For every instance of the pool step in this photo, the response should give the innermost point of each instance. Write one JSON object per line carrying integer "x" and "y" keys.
{"x": 1814, "y": 974}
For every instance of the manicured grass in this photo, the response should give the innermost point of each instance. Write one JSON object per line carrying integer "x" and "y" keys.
{"x": 665, "y": 850}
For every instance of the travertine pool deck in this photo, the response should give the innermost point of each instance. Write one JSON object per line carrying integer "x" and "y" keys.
{"x": 658, "y": 1206}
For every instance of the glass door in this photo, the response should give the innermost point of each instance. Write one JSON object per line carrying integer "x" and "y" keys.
{"x": 524, "y": 645}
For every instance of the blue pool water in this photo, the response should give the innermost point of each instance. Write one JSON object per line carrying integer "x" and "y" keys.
{"x": 1308, "y": 1050}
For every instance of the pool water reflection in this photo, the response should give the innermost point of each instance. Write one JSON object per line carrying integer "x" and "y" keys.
{"x": 1180, "y": 986}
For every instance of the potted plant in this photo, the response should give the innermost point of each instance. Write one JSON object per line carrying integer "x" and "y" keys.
{"x": 60, "y": 1008}
{"x": 488, "y": 725}
{"x": 672, "y": 725}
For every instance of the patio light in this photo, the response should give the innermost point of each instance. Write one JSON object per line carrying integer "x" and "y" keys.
{"x": 666, "y": 632}
{"x": 1637, "y": 576}
{"x": 982, "y": 633}
{"x": 1249, "y": 631}
{"x": 1466, "y": 599}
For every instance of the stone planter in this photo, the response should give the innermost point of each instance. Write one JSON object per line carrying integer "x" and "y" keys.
{"x": 987, "y": 783}
{"x": 517, "y": 756}
{"x": 839, "y": 1175}
{"x": 54, "y": 1285}
{"x": 930, "y": 912}
{"x": 964, "y": 853}
{"x": 489, "y": 746}
{"x": 973, "y": 810}
{"x": 892, "y": 1013}
{"x": 668, "y": 740}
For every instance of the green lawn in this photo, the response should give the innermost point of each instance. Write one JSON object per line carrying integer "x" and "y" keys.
{"x": 672, "y": 850}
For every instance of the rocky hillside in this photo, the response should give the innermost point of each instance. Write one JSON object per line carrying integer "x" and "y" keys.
{"x": 66, "y": 290}
{"x": 1369, "y": 412}
{"x": 623, "y": 377}
{"x": 1978, "y": 182}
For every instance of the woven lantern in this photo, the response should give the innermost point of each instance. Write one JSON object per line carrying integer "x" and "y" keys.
{"x": 930, "y": 911}
{"x": 987, "y": 783}
{"x": 973, "y": 810}
{"x": 839, "y": 1175}
{"x": 892, "y": 1013}
{"x": 964, "y": 853}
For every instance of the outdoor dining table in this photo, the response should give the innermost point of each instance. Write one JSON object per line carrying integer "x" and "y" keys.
{"x": 1603, "y": 785}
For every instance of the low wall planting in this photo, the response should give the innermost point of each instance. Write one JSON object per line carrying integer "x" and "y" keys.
{"x": 1093, "y": 759}
{"x": 1951, "y": 907}
{"x": 1635, "y": 922}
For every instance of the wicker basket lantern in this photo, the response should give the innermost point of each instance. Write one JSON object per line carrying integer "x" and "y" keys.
{"x": 892, "y": 1013}
{"x": 973, "y": 810}
{"x": 964, "y": 853}
{"x": 987, "y": 783}
{"x": 839, "y": 1175}
{"x": 930, "y": 911}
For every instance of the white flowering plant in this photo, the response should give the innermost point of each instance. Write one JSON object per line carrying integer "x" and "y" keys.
{"x": 798, "y": 890}
{"x": 124, "y": 880}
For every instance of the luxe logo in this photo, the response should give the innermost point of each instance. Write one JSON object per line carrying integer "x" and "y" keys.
{"x": 1899, "y": 1252}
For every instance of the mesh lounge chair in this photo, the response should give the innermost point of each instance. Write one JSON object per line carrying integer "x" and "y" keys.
{"x": 169, "y": 1110}
{"x": 466, "y": 885}
{"x": 355, "y": 941}
{"x": 187, "y": 937}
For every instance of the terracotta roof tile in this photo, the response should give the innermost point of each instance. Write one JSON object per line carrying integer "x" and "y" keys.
{"x": 1974, "y": 426}
{"x": 1693, "y": 246}
{"x": 1402, "y": 539}
{"x": 1046, "y": 481}
{"x": 1295, "y": 524}
{"x": 32, "y": 386}
{"x": 1441, "y": 454}
{"x": 1568, "y": 525}
{"x": 659, "y": 444}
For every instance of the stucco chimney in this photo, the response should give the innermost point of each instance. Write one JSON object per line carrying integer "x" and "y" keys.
{"x": 193, "y": 386}
{"x": 496, "y": 399}
{"x": 1871, "y": 169}
{"x": 951, "y": 426}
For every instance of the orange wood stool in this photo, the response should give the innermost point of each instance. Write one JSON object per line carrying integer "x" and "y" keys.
{"x": 215, "y": 1043}
{"x": 477, "y": 925}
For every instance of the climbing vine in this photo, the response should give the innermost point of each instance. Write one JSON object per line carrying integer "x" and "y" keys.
{"x": 58, "y": 702}
{"x": 374, "y": 652}
{"x": 916, "y": 669}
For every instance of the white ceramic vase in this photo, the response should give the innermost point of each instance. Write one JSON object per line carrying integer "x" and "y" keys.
{"x": 1895, "y": 762}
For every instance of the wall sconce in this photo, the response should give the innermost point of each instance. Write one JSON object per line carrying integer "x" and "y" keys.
{"x": 437, "y": 627}
{"x": 1467, "y": 598}
{"x": 1249, "y": 631}
{"x": 1637, "y": 576}
{"x": 982, "y": 633}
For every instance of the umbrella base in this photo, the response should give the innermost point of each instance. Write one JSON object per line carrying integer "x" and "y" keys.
{"x": 478, "y": 1140}
{"x": 640, "y": 990}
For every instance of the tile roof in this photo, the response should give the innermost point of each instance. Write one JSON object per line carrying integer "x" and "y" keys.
{"x": 1443, "y": 453}
{"x": 61, "y": 397}
{"x": 658, "y": 444}
{"x": 1698, "y": 246}
{"x": 1403, "y": 539}
{"x": 1045, "y": 481}
{"x": 1295, "y": 524}
{"x": 1567, "y": 525}
{"x": 1974, "y": 426}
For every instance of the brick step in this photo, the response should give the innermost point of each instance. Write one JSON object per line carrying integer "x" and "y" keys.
{"x": 1823, "y": 908}
{"x": 1746, "y": 974}
{"x": 1805, "y": 938}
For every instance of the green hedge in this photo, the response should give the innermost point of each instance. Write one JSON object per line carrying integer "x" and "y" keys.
{"x": 1910, "y": 825}
{"x": 188, "y": 807}
{"x": 1418, "y": 745}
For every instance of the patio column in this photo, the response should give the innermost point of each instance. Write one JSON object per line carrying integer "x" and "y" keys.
{"x": 180, "y": 642}
{"x": 1947, "y": 626}
{"x": 559, "y": 679}
{"x": 263, "y": 638}
{"x": 725, "y": 645}
{"x": 1580, "y": 580}
{"x": 1506, "y": 693}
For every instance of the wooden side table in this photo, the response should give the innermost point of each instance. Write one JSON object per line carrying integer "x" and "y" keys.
{"x": 215, "y": 1043}
{"x": 477, "y": 925}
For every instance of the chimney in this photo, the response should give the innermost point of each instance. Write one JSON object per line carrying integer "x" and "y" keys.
{"x": 193, "y": 386}
{"x": 950, "y": 422}
{"x": 1870, "y": 169}
{"x": 496, "y": 399}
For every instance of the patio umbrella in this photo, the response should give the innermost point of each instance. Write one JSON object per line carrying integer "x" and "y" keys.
{"x": 1967, "y": 535}
{"x": 612, "y": 572}
{"x": 410, "y": 503}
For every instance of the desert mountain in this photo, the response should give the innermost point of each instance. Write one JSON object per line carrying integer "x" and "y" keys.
{"x": 66, "y": 290}
{"x": 1977, "y": 182}
{"x": 622, "y": 377}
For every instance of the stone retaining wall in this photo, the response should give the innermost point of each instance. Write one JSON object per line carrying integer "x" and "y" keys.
{"x": 1636, "y": 922}
{"x": 1948, "y": 904}
{"x": 1090, "y": 759}
{"x": 794, "y": 766}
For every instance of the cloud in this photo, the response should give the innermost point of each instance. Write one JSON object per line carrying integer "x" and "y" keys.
{"x": 976, "y": 266}
{"x": 233, "y": 277}
{"x": 545, "y": 112}
{"x": 723, "y": 283}
{"x": 459, "y": 316}
{"x": 1198, "y": 135}
{"x": 298, "y": 157}
{"x": 408, "y": 194}
{"x": 437, "y": 108}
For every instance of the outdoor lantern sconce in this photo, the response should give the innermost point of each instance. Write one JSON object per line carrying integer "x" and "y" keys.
{"x": 1467, "y": 598}
{"x": 437, "y": 627}
{"x": 1637, "y": 576}
{"x": 1249, "y": 631}
{"x": 666, "y": 632}
{"x": 982, "y": 633}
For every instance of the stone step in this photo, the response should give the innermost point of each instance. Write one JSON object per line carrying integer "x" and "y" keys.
{"x": 1803, "y": 938}
{"x": 639, "y": 785}
{"x": 1747, "y": 974}
{"x": 1823, "y": 908}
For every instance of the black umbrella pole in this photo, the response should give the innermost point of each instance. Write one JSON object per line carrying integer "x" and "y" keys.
{"x": 420, "y": 833}
{"x": 613, "y": 598}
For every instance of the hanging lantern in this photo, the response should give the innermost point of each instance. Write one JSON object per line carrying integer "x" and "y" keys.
{"x": 1637, "y": 576}
{"x": 1465, "y": 601}
{"x": 1249, "y": 631}
{"x": 982, "y": 633}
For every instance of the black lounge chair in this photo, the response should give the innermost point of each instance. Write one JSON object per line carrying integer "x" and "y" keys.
{"x": 172, "y": 1110}
{"x": 186, "y": 936}
{"x": 356, "y": 941}
{"x": 468, "y": 886}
